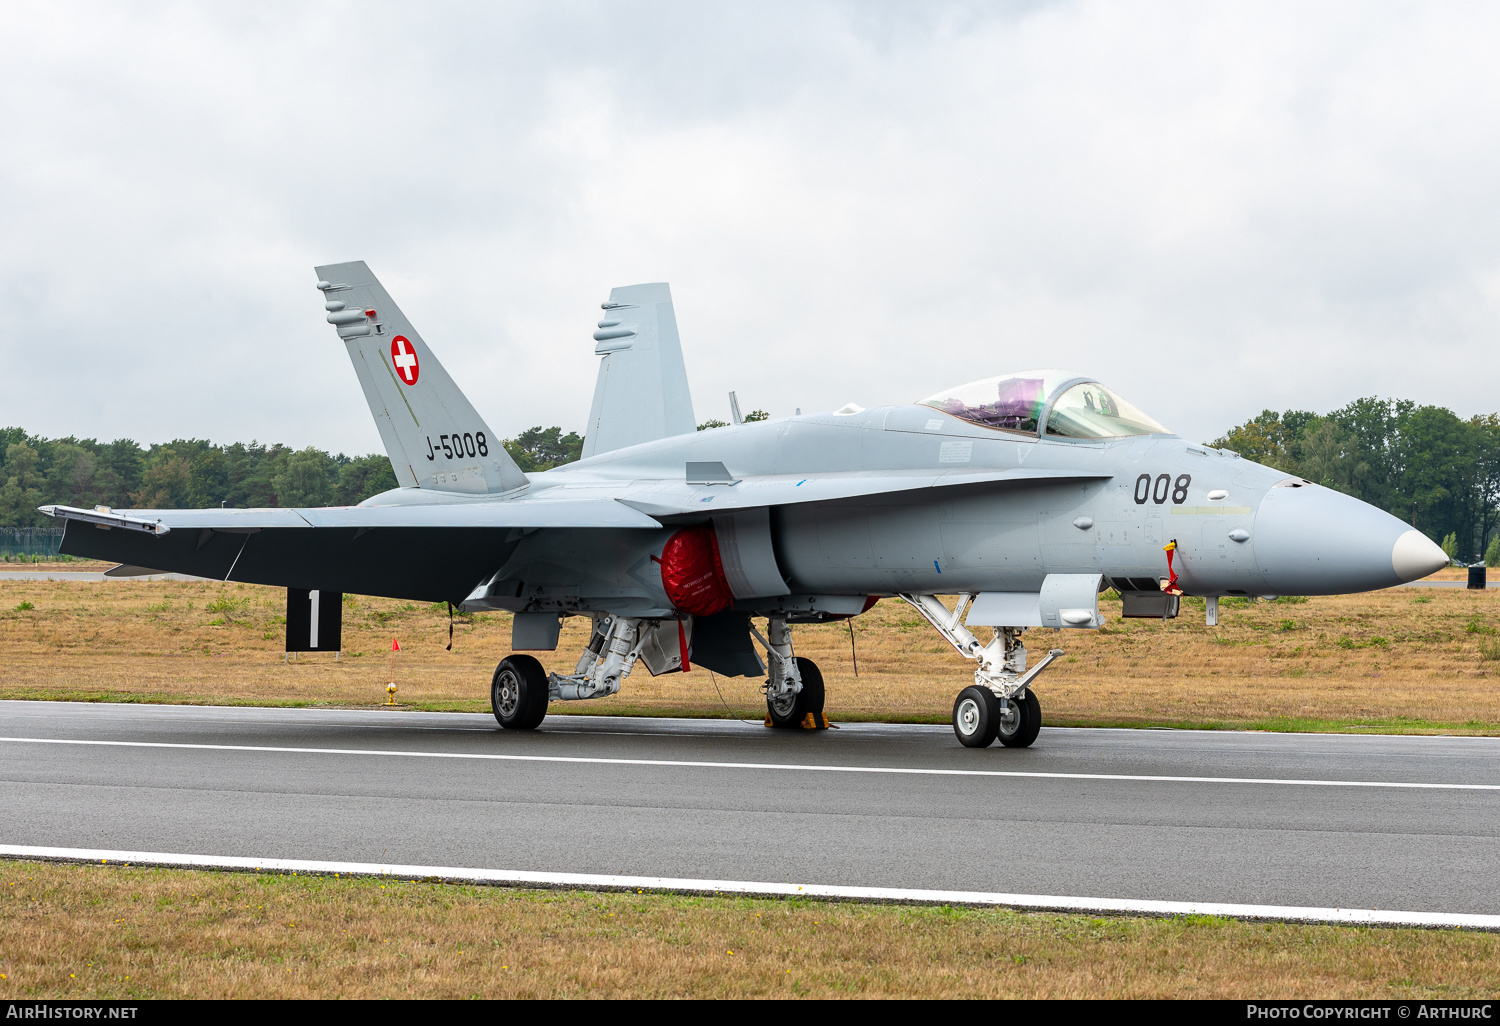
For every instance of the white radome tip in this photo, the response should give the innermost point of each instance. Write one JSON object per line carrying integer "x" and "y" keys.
{"x": 1414, "y": 556}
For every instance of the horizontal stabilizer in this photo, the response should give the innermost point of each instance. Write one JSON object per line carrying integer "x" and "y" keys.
{"x": 126, "y": 570}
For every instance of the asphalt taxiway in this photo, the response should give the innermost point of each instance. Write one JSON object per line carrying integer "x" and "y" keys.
{"x": 1372, "y": 822}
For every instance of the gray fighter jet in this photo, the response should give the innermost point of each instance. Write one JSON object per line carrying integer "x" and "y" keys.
{"x": 1025, "y": 495}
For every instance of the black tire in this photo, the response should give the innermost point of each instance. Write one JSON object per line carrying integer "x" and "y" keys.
{"x": 518, "y": 693}
{"x": 1020, "y": 728}
{"x": 976, "y": 717}
{"x": 793, "y": 711}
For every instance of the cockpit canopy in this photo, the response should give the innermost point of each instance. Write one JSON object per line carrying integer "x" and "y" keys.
{"x": 1074, "y": 406}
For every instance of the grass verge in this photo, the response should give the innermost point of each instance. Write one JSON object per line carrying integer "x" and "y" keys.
{"x": 76, "y": 932}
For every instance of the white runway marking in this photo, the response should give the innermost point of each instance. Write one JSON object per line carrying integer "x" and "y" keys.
{"x": 772, "y": 766}
{"x": 596, "y": 881}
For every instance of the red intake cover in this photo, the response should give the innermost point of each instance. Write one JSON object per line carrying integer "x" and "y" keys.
{"x": 692, "y": 574}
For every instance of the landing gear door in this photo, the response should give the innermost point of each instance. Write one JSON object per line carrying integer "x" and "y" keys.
{"x": 1071, "y": 600}
{"x": 661, "y": 645}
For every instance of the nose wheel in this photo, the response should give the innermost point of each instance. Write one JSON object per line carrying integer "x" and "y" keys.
{"x": 1020, "y": 722}
{"x": 978, "y": 719}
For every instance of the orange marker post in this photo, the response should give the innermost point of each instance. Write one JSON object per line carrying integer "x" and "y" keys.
{"x": 391, "y": 664}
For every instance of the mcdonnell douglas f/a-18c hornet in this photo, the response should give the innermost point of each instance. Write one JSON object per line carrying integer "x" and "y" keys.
{"x": 1024, "y": 495}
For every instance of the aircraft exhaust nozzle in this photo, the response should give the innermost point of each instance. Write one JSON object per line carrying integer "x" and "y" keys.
{"x": 1311, "y": 540}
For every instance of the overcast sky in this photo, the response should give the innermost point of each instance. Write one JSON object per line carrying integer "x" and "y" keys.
{"x": 1214, "y": 208}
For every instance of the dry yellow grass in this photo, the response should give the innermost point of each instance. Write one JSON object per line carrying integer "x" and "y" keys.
{"x": 89, "y": 566}
{"x": 76, "y": 932}
{"x": 1403, "y": 659}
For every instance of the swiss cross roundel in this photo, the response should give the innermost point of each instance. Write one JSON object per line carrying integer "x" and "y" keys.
{"x": 404, "y": 359}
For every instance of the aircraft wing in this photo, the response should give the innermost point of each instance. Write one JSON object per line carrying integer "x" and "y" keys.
{"x": 580, "y": 512}
{"x": 676, "y": 498}
{"x": 430, "y": 552}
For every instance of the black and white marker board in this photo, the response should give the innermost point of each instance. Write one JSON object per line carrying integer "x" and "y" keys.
{"x": 314, "y": 620}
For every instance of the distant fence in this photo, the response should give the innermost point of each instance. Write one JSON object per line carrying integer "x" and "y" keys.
{"x": 30, "y": 542}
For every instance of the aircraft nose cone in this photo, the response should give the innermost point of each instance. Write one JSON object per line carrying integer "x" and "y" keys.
{"x": 1414, "y": 556}
{"x": 1311, "y": 540}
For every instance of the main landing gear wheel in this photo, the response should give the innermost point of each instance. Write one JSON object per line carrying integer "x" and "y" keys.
{"x": 976, "y": 716}
{"x": 518, "y": 693}
{"x": 1021, "y": 721}
{"x": 791, "y": 710}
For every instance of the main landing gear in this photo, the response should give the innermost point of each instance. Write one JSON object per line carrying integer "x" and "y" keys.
{"x": 793, "y": 709}
{"x": 1000, "y": 703}
{"x": 794, "y": 684}
{"x": 521, "y": 689}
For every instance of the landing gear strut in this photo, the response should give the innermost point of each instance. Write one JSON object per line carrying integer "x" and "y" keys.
{"x": 521, "y": 689}
{"x": 1000, "y": 703}
{"x": 794, "y": 684}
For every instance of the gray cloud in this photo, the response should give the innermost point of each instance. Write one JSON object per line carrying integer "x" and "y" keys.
{"x": 1213, "y": 209}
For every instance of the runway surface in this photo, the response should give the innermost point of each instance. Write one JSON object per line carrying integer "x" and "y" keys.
{"x": 1281, "y": 819}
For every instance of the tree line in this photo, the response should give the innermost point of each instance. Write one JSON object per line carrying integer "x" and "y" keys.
{"x": 1424, "y": 464}
{"x": 193, "y": 473}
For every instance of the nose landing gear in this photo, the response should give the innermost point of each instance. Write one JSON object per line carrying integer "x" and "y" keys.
{"x": 1000, "y": 703}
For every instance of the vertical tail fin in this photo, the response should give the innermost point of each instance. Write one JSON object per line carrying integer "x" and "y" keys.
{"x": 642, "y": 390}
{"x": 432, "y": 433}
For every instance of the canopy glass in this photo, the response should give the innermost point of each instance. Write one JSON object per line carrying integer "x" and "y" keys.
{"x": 1016, "y": 402}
